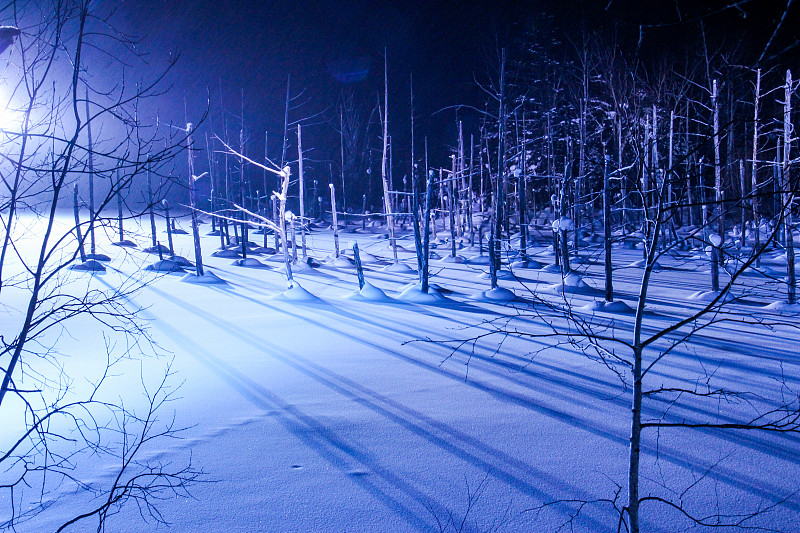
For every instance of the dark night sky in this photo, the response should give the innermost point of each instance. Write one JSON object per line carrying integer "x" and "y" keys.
{"x": 251, "y": 47}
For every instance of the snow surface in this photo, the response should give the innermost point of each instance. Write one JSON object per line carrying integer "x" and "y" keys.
{"x": 340, "y": 416}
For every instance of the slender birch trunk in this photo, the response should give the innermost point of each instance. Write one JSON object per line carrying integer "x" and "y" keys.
{"x": 301, "y": 184}
{"x": 787, "y": 196}
{"x": 198, "y": 253}
{"x": 754, "y": 170}
{"x": 719, "y": 194}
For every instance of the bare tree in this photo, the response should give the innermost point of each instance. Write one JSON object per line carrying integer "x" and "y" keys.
{"x": 46, "y": 150}
{"x": 638, "y": 351}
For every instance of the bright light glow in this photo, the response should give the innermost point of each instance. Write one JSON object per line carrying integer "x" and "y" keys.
{"x": 10, "y": 116}
{"x": 10, "y": 119}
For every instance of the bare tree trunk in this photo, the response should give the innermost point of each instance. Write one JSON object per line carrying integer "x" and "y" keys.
{"x": 523, "y": 197}
{"x": 76, "y": 211}
{"x": 151, "y": 208}
{"x": 198, "y": 253}
{"x": 242, "y": 200}
{"x": 212, "y": 176}
{"x": 275, "y": 219}
{"x": 165, "y": 204}
{"x": 787, "y": 192}
{"x": 502, "y": 180}
{"x": 301, "y": 184}
{"x": 720, "y": 195}
{"x": 470, "y": 222}
{"x": 426, "y": 238}
{"x": 386, "y": 200}
{"x": 119, "y": 209}
{"x": 635, "y": 439}
{"x": 282, "y": 200}
{"x": 451, "y": 184}
{"x": 743, "y": 188}
{"x": 607, "y": 230}
{"x": 754, "y": 170}
{"x": 623, "y": 183}
{"x": 335, "y": 221}
{"x": 636, "y": 377}
{"x": 359, "y": 268}
{"x": 92, "y": 245}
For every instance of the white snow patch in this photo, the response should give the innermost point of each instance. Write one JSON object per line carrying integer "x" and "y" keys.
{"x": 90, "y": 265}
{"x": 479, "y": 260}
{"x": 398, "y": 268}
{"x": 571, "y": 283}
{"x": 164, "y": 265}
{"x": 501, "y": 274}
{"x": 414, "y": 294}
{"x": 616, "y": 306}
{"x": 208, "y": 278}
{"x": 296, "y": 293}
{"x": 341, "y": 262}
{"x": 498, "y": 294}
{"x": 552, "y": 268}
{"x": 250, "y": 262}
{"x": 369, "y": 293}
{"x": 708, "y": 296}
{"x": 784, "y": 307}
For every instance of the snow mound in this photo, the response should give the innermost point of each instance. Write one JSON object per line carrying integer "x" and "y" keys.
{"x": 414, "y": 294}
{"x": 296, "y": 293}
{"x": 783, "y": 307}
{"x": 250, "y": 262}
{"x": 399, "y": 248}
{"x": 530, "y": 264}
{"x": 342, "y": 262}
{"x": 90, "y": 265}
{"x": 641, "y": 263}
{"x": 454, "y": 259}
{"x": 227, "y": 254}
{"x": 498, "y": 294}
{"x": 299, "y": 267}
{"x": 398, "y": 268}
{"x": 208, "y": 278}
{"x": 617, "y": 306}
{"x": 479, "y": 260}
{"x": 763, "y": 270}
{"x": 165, "y": 265}
{"x": 501, "y": 274}
{"x": 552, "y": 269}
{"x": 572, "y": 283}
{"x": 369, "y": 293}
{"x": 98, "y": 257}
{"x": 125, "y": 243}
{"x": 275, "y": 258}
{"x": 707, "y": 296}
{"x": 367, "y": 258}
{"x": 265, "y": 250}
{"x": 182, "y": 261}
{"x": 156, "y": 249}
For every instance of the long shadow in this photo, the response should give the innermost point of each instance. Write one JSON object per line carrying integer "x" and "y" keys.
{"x": 673, "y": 455}
{"x": 664, "y": 371}
{"x": 404, "y": 416}
{"x": 331, "y": 446}
{"x": 568, "y": 385}
{"x": 684, "y": 463}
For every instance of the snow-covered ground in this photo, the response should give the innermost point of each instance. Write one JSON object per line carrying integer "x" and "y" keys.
{"x": 334, "y": 414}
